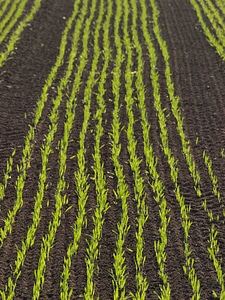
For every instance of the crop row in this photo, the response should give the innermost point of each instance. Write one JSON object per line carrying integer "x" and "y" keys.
{"x": 7, "y": 175}
{"x": 215, "y": 32}
{"x": 189, "y": 268}
{"x": 12, "y": 15}
{"x": 91, "y": 53}
{"x": 122, "y": 190}
{"x": 214, "y": 248}
{"x": 81, "y": 176}
{"x": 151, "y": 163}
{"x": 45, "y": 152}
{"x": 102, "y": 205}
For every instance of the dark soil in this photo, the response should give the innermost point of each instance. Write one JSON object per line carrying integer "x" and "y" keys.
{"x": 198, "y": 73}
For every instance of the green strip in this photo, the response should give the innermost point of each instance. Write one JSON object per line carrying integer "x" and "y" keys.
{"x": 16, "y": 34}
{"x": 7, "y": 175}
{"x": 139, "y": 190}
{"x": 81, "y": 176}
{"x": 213, "y": 40}
{"x": 214, "y": 248}
{"x": 102, "y": 204}
{"x": 46, "y": 149}
{"x": 175, "y": 101}
{"x": 29, "y": 140}
{"x": 151, "y": 162}
{"x": 4, "y": 7}
{"x": 14, "y": 13}
{"x": 49, "y": 238}
{"x": 119, "y": 276}
{"x": 174, "y": 171}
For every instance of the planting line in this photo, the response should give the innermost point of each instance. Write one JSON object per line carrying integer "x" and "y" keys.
{"x": 212, "y": 176}
{"x": 221, "y": 6}
{"x": 14, "y": 13}
{"x": 49, "y": 238}
{"x": 4, "y": 7}
{"x": 214, "y": 17}
{"x": 139, "y": 190}
{"x": 45, "y": 151}
{"x": 185, "y": 209}
{"x": 210, "y": 36}
{"x": 175, "y": 101}
{"x": 185, "y": 142}
{"x": 7, "y": 176}
{"x": 214, "y": 249}
{"x": 29, "y": 140}
{"x": 118, "y": 272}
{"x": 16, "y": 34}
{"x": 151, "y": 162}
{"x": 102, "y": 205}
{"x": 81, "y": 176}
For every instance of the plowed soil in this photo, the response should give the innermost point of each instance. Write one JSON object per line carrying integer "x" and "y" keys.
{"x": 199, "y": 78}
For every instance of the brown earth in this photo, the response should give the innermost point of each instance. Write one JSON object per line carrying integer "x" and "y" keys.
{"x": 198, "y": 74}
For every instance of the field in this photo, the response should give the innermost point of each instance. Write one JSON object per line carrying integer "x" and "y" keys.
{"x": 112, "y": 147}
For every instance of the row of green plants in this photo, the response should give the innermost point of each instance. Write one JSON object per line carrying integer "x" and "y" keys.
{"x": 99, "y": 177}
{"x": 81, "y": 176}
{"x": 13, "y": 14}
{"x": 119, "y": 271}
{"x": 25, "y": 163}
{"x": 189, "y": 268}
{"x": 129, "y": 54}
{"x": 216, "y": 16}
{"x": 175, "y": 101}
{"x": 42, "y": 185}
{"x": 7, "y": 175}
{"x": 60, "y": 195}
{"x": 1, "y": 3}
{"x": 221, "y": 5}
{"x": 15, "y": 36}
{"x": 216, "y": 19}
{"x": 3, "y": 7}
{"x": 151, "y": 163}
{"x": 214, "y": 248}
{"x": 135, "y": 164}
{"x": 214, "y": 251}
{"x": 212, "y": 176}
{"x": 215, "y": 36}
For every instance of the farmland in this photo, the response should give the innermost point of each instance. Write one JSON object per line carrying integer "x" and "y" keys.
{"x": 112, "y": 147}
